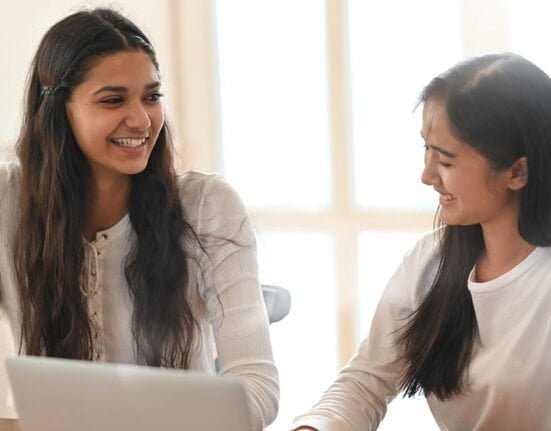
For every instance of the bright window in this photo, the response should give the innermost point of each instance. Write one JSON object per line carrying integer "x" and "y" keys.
{"x": 530, "y": 30}
{"x": 305, "y": 342}
{"x": 273, "y": 95}
{"x": 395, "y": 49}
{"x": 283, "y": 98}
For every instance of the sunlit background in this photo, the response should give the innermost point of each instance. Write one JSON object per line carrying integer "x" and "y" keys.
{"x": 307, "y": 108}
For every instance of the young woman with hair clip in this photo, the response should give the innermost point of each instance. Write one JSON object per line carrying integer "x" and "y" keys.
{"x": 106, "y": 254}
{"x": 466, "y": 318}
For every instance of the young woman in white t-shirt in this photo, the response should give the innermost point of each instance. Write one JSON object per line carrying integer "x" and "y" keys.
{"x": 466, "y": 318}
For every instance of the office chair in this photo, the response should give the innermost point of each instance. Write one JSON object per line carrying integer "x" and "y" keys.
{"x": 277, "y": 300}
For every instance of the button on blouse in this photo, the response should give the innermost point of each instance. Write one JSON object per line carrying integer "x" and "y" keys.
{"x": 92, "y": 286}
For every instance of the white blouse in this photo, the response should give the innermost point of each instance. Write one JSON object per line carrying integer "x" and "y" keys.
{"x": 225, "y": 294}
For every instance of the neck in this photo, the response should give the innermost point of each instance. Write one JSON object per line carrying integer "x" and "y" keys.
{"x": 108, "y": 203}
{"x": 504, "y": 249}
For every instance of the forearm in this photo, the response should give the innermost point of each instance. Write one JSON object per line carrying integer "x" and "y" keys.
{"x": 355, "y": 401}
{"x": 261, "y": 383}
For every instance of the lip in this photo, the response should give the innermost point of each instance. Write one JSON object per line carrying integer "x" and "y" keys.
{"x": 131, "y": 150}
{"x": 129, "y": 137}
{"x": 443, "y": 195}
{"x": 121, "y": 138}
{"x": 446, "y": 202}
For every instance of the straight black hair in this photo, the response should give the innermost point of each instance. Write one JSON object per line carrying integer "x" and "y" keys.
{"x": 500, "y": 104}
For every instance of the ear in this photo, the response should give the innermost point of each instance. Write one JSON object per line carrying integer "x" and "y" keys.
{"x": 519, "y": 174}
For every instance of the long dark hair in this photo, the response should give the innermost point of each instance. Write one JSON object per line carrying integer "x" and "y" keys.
{"x": 500, "y": 104}
{"x": 54, "y": 188}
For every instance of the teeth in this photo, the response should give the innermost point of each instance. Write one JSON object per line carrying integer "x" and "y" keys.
{"x": 129, "y": 142}
{"x": 448, "y": 197}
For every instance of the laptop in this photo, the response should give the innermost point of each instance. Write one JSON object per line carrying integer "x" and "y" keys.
{"x": 67, "y": 395}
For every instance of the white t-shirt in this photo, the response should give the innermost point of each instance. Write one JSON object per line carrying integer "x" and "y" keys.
{"x": 509, "y": 377}
{"x": 225, "y": 294}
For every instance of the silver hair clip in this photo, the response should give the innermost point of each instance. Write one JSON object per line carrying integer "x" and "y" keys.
{"x": 47, "y": 90}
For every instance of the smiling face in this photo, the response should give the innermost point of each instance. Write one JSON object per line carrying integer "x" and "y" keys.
{"x": 116, "y": 114}
{"x": 471, "y": 191}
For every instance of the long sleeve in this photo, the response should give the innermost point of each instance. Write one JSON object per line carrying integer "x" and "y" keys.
{"x": 358, "y": 399}
{"x": 9, "y": 204}
{"x": 234, "y": 299}
{"x": 9, "y": 176}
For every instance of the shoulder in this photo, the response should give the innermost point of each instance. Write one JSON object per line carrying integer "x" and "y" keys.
{"x": 9, "y": 192}
{"x": 197, "y": 185}
{"x": 9, "y": 173}
{"x": 9, "y": 180}
{"x": 415, "y": 275}
{"x": 424, "y": 250}
{"x": 423, "y": 261}
{"x": 206, "y": 193}
{"x": 209, "y": 201}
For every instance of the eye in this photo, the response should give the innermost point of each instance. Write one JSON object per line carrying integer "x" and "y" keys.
{"x": 113, "y": 100}
{"x": 444, "y": 164}
{"x": 154, "y": 97}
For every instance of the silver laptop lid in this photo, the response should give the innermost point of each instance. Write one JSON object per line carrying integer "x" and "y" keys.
{"x": 68, "y": 395}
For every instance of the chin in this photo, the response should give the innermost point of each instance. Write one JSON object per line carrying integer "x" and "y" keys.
{"x": 450, "y": 221}
{"x": 134, "y": 169}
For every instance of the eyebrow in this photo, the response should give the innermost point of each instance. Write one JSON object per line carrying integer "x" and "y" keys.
{"x": 120, "y": 89}
{"x": 437, "y": 148}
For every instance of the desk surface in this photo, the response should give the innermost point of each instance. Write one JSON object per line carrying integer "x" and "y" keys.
{"x": 9, "y": 425}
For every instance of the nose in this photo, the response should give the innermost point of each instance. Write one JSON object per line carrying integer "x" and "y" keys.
{"x": 138, "y": 117}
{"x": 430, "y": 175}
